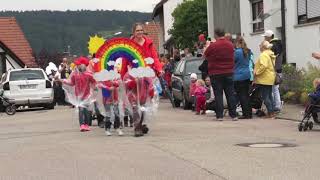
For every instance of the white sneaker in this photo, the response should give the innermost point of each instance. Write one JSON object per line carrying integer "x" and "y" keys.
{"x": 108, "y": 133}
{"x": 235, "y": 119}
{"x": 120, "y": 133}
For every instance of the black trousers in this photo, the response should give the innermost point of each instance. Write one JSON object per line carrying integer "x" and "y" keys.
{"x": 242, "y": 89}
{"x": 220, "y": 84}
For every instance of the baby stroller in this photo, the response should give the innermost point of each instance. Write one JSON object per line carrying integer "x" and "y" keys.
{"x": 312, "y": 110}
{"x": 6, "y": 106}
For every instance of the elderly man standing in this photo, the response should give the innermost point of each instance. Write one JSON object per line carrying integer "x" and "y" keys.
{"x": 220, "y": 56}
{"x": 277, "y": 50}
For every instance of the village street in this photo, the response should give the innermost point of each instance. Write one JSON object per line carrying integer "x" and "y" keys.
{"x": 181, "y": 146}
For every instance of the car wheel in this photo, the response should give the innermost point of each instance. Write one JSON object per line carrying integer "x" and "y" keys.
{"x": 11, "y": 109}
{"x": 50, "y": 106}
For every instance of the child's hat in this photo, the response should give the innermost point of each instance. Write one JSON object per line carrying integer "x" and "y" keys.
{"x": 193, "y": 76}
{"x": 82, "y": 60}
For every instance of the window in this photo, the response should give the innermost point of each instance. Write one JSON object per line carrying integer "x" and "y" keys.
{"x": 26, "y": 75}
{"x": 257, "y": 12}
{"x": 308, "y": 11}
{"x": 193, "y": 66}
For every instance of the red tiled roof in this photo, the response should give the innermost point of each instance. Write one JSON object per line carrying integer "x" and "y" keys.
{"x": 13, "y": 37}
{"x": 152, "y": 31}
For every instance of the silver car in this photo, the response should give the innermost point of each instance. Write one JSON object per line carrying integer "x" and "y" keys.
{"x": 28, "y": 87}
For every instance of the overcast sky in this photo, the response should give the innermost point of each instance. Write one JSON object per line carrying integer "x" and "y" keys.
{"x": 62, "y": 5}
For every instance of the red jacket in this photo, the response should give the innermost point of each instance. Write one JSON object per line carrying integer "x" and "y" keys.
{"x": 151, "y": 51}
{"x": 200, "y": 91}
{"x": 83, "y": 84}
{"x": 193, "y": 87}
{"x": 220, "y": 56}
{"x": 145, "y": 88}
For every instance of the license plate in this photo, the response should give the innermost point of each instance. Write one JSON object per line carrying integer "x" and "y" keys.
{"x": 30, "y": 86}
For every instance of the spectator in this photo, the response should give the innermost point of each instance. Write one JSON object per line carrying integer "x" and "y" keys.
{"x": 220, "y": 56}
{"x": 193, "y": 80}
{"x": 204, "y": 69}
{"x": 210, "y": 103}
{"x": 265, "y": 75}
{"x": 277, "y": 50}
{"x": 228, "y": 37}
{"x": 176, "y": 57}
{"x": 315, "y": 96}
{"x": 200, "y": 94}
{"x": 242, "y": 76}
{"x": 168, "y": 70}
{"x": 187, "y": 52}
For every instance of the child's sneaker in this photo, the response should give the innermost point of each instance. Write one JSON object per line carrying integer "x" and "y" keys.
{"x": 120, "y": 133}
{"x": 87, "y": 128}
{"x": 82, "y": 128}
{"x": 203, "y": 113}
{"x": 108, "y": 132}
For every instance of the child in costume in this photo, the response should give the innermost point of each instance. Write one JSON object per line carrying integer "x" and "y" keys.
{"x": 111, "y": 104}
{"x": 139, "y": 92}
{"x": 200, "y": 94}
{"x": 83, "y": 84}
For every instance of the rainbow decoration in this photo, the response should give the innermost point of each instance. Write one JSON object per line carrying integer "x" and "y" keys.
{"x": 116, "y": 48}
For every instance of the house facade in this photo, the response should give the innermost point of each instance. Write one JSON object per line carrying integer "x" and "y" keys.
{"x": 301, "y": 26}
{"x": 15, "y": 51}
{"x": 224, "y": 14}
{"x": 163, "y": 11}
{"x": 152, "y": 31}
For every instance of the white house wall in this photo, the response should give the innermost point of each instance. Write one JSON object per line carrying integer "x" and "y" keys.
{"x": 251, "y": 39}
{"x": 13, "y": 62}
{"x": 168, "y": 9}
{"x": 301, "y": 41}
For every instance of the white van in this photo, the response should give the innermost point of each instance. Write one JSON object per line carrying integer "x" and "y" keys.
{"x": 28, "y": 87}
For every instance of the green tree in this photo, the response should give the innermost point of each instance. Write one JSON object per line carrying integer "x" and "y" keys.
{"x": 190, "y": 19}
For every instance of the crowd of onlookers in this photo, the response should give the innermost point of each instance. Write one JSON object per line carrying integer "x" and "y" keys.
{"x": 230, "y": 71}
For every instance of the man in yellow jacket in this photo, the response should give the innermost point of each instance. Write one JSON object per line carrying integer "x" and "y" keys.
{"x": 265, "y": 74}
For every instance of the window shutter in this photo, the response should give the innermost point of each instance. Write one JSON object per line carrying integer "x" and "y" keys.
{"x": 313, "y": 7}
{"x": 302, "y": 7}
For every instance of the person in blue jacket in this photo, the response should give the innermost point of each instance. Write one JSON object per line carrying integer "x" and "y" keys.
{"x": 243, "y": 76}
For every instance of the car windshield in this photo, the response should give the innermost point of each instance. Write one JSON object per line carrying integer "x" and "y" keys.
{"x": 26, "y": 75}
{"x": 193, "y": 66}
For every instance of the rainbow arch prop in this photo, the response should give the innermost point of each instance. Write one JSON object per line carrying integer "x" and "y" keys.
{"x": 116, "y": 48}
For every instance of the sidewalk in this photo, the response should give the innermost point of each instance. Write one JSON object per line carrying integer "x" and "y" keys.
{"x": 291, "y": 112}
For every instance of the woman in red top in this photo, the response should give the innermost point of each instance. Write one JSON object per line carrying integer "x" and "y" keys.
{"x": 139, "y": 91}
{"x": 147, "y": 45}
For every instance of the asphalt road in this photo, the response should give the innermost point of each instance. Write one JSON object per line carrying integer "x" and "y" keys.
{"x": 181, "y": 146}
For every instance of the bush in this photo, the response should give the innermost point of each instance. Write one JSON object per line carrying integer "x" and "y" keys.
{"x": 292, "y": 79}
{"x": 298, "y": 83}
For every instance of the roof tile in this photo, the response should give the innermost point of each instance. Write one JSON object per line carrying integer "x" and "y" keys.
{"x": 13, "y": 37}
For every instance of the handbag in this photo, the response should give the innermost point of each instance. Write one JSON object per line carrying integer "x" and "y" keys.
{"x": 278, "y": 79}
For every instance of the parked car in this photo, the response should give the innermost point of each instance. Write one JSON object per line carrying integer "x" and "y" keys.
{"x": 181, "y": 80}
{"x": 28, "y": 87}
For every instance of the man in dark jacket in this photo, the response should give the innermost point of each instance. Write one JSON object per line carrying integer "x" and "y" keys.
{"x": 220, "y": 56}
{"x": 277, "y": 50}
